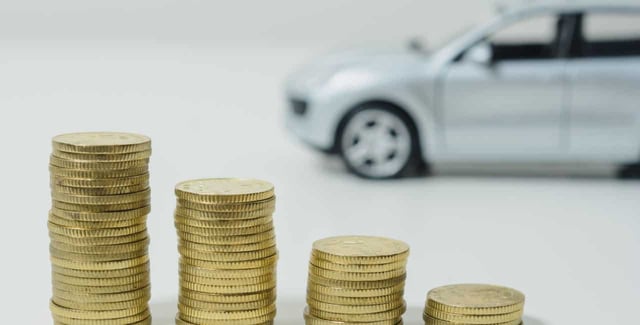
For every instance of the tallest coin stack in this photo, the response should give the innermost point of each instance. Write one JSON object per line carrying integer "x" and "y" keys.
{"x": 97, "y": 226}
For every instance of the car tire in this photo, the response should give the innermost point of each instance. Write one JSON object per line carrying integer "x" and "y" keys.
{"x": 379, "y": 141}
{"x": 631, "y": 171}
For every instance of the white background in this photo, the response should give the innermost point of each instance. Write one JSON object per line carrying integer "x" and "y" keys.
{"x": 203, "y": 80}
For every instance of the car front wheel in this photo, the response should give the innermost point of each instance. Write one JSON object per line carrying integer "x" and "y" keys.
{"x": 377, "y": 141}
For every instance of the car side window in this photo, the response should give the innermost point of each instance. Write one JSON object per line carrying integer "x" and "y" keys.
{"x": 530, "y": 38}
{"x": 611, "y": 34}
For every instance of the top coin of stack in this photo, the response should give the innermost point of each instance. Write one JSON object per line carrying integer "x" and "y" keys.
{"x": 479, "y": 304}
{"x": 356, "y": 280}
{"x": 228, "y": 251}
{"x": 97, "y": 227}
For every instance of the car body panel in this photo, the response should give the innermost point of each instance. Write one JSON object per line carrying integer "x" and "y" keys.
{"x": 601, "y": 129}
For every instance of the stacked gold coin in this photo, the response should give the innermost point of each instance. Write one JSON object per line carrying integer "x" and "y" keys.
{"x": 356, "y": 280}
{"x": 478, "y": 304}
{"x": 97, "y": 227}
{"x": 228, "y": 251}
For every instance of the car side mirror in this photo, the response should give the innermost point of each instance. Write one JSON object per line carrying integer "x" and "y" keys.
{"x": 480, "y": 54}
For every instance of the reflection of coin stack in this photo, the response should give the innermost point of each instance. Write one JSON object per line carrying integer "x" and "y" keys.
{"x": 97, "y": 227}
{"x": 479, "y": 304}
{"x": 228, "y": 251}
{"x": 356, "y": 279}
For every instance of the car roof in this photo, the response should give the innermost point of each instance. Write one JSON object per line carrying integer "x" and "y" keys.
{"x": 571, "y": 6}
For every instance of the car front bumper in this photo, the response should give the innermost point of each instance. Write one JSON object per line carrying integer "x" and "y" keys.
{"x": 308, "y": 121}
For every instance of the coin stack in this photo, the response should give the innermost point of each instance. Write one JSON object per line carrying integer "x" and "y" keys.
{"x": 356, "y": 279}
{"x": 228, "y": 251}
{"x": 478, "y": 304}
{"x": 97, "y": 227}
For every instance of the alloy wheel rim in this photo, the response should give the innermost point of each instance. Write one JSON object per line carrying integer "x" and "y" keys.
{"x": 377, "y": 143}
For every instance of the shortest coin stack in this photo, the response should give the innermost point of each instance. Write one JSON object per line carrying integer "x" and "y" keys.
{"x": 356, "y": 280}
{"x": 228, "y": 252}
{"x": 474, "y": 304}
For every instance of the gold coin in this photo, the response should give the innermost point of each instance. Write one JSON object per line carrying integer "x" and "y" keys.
{"x": 224, "y": 190}
{"x": 98, "y": 241}
{"x": 104, "y": 249}
{"x": 146, "y": 321}
{"x": 100, "y": 182}
{"x": 64, "y": 176}
{"x": 101, "y": 142}
{"x": 228, "y": 298}
{"x": 96, "y": 165}
{"x": 355, "y": 301}
{"x": 102, "y": 199}
{"x": 229, "y": 289}
{"x": 117, "y": 273}
{"x": 227, "y": 257}
{"x": 228, "y": 248}
{"x": 96, "y": 224}
{"x": 106, "y": 232}
{"x": 227, "y": 240}
{"x": 108, "y": 321}
{"x": 98, "y": 191}
{"x": 227, "y": 281}
{"x": 229, "y": 207}
{"x": 348, "y": 292}
{"x": 475, "y": 299}
{"x": 223, "y": 274}
{"x": 358, "y": 309}
{"x": 84, "y": 216}
{"x": 368, "y": 317}
{"x": 357, "y": 268}
{"x": 99, "y": 282}
{"x": 112, "y": 265}
{"x": 251, "y": 264}
{"x": 100, "y": 290}
{"x": 434, "y": 321}
{"x": 357, "y": 284}
{"x": 355, "y": 276}
{"x": 312, "y": 320}
{"x": 222, "y": 223}
{"x": 118, "y": 305}
{"x": 213, "y": 215}
{"x": 100, "y": 208}
{"x": 240, "y": 306}
{"x": 473, "y": 319}
{"x": 96, "y": 257}
{"x": 260, "y": 320}
{"x": 224, "y": 231}
{"x": 225, "y": 315}
{"x": 361, "y": 249}
{"x": 118, "y": 157}
{"x": 77, "y": 297}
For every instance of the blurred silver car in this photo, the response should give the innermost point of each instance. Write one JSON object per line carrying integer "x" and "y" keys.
{"x": 541, "y": 83}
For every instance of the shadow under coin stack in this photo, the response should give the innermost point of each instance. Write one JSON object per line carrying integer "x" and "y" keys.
{"x": 97, "y": 226}
{"x": 356, "y": 280}
{"x": 228, "y": 252}
{"x": 477, "y": 304}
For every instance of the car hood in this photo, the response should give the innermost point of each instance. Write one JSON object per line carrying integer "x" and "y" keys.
{"x": 381, "y": 64}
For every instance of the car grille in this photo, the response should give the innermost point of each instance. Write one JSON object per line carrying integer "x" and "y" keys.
{"x": 298, "y": 106}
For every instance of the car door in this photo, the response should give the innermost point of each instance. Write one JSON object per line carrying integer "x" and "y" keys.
{"x": 604, "y": 74}
{"x": 510, "y": 107}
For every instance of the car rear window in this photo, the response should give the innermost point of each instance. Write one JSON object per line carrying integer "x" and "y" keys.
{"x": 611, "y": 34}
